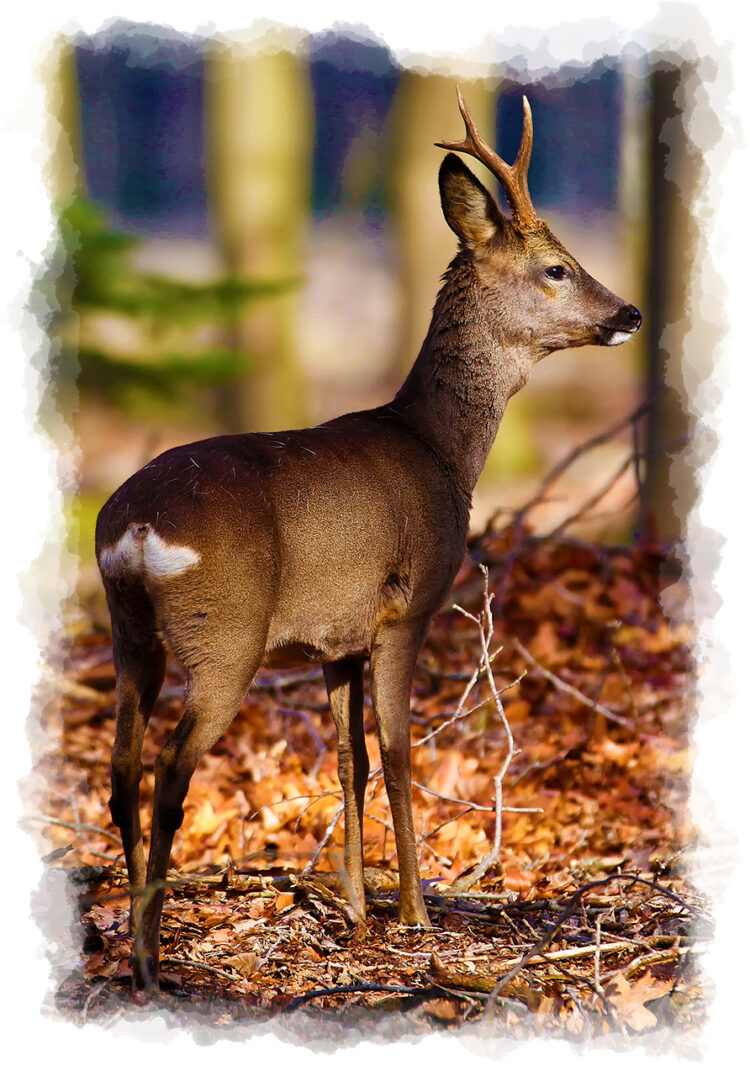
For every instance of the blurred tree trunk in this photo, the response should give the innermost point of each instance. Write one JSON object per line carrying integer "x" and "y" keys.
{"x": 65, "y": 175}
{"x": 633, "y": 189}
{"x": 260, "y": 132}
{"x": 633, "y": 205}
{"x": 65, "y": 180}
{"x": 424, "y": 112}
{"x": 670, "y": 485}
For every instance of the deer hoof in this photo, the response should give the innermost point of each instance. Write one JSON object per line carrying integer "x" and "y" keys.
{"x": 415, "y": 917}
{"x": 145, "y": 977}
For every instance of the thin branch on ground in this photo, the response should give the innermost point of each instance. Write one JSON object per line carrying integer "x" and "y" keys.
{"x": 359, "y": 988}
{"x": 562, "y": 685}
{"x": 323, "y": 842}
{"x": 186, "y": 962}
{"x": 554, "y": 930}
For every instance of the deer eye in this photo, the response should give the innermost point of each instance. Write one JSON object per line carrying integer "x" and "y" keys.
{"x": 555, "y": 272}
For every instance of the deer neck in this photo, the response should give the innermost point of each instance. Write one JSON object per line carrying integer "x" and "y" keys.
{"x": 456, "y": 393}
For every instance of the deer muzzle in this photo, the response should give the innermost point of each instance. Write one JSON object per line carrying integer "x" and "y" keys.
{"x": 625, "y": 324}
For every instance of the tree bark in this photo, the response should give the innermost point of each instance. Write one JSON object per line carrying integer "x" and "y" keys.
{"x": 260, "y": 131}
{"x": 670, "y": 486}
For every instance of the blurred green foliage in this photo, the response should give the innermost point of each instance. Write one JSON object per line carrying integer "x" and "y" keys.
{"x": 105, "y": 281}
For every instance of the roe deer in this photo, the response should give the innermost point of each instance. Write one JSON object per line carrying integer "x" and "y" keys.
{"x": 333, "y": 545}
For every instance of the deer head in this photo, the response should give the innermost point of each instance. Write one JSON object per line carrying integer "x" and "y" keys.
{"x": 537, "y": 295}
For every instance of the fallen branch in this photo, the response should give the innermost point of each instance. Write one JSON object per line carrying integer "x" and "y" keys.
{"x": 199, "y": 965}
{"x": 568, "y": 910}
{"x": 360, "y": 988}
{"x": 76, "y": 827}
{"x": 588, "y": 950}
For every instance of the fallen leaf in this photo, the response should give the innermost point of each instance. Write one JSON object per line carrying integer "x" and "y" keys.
{"x": 444, "y": 1009}
{"x": 245, "y": 963}
{"x": 284, "y": 900}
{"x": 206, "y": 821}
{"x": 630, "y": 999}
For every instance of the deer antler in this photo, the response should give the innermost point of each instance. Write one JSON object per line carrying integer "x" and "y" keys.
{"x": 514, "y": 178}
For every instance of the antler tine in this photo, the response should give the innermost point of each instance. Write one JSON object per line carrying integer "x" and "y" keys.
{"x": 514, "y": 178}
{"x": 523, "y": 158}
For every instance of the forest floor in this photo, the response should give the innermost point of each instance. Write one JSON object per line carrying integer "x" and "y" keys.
{"x": 553, "y": 686}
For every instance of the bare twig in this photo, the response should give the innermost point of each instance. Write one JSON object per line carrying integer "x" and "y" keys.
{"x": 589, "y": 502}
{"x": 323, "y": 842}
{"x": 659, "y": 956}
{"x": 450, "y": 799}
{"x": 77, "y": 827}
{"x": 485, "y": 624}
{"x": 570, "y": 689}
{"x": 580, "y": 450}
{"x": 567, "y": 911}
{"x": 457, "y": 715}
{"x": 542, "y": 494}
{"x": 588, "y": 950}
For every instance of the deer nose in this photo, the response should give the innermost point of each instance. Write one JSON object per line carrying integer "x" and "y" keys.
{"x": 632, "y": 315}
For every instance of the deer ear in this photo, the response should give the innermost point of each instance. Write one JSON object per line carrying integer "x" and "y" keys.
{"x": 468, "y": 207}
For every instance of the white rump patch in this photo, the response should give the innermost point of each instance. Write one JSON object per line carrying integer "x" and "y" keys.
{"x": 141, "y": 550}
{"x": 160, "y": 558}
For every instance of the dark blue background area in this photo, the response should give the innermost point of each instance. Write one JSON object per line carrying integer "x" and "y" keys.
{"x": 576, "y": 157}
{"x": 142, "y": 132}
{"x": 353, "y": 83}
{"x": 142, "y": 101}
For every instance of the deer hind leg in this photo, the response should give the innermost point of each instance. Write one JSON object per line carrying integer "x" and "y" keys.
{"x": 139, "y": 679}
{"x": 213, "y": 698}
{"x": 345, "y": 693}
{"x": 392, "y": 668}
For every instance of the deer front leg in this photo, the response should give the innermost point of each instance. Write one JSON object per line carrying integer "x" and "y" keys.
{"x": 392, "y": 667}
{"x": 345, "y": 693}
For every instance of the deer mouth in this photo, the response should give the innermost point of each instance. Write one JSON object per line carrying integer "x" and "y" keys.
{"x": 612, "y": 337}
